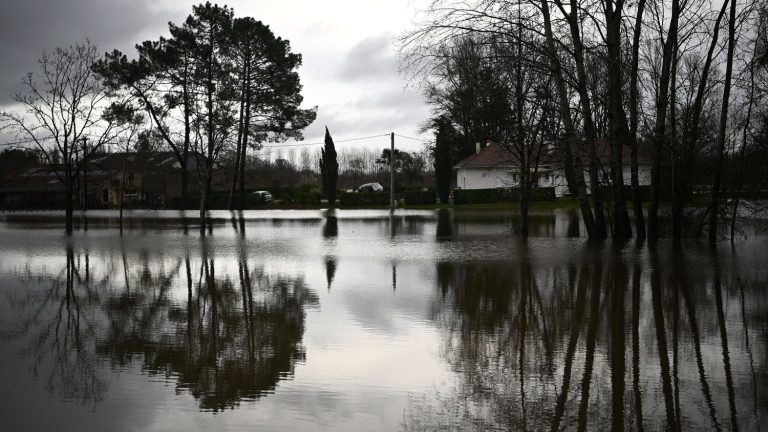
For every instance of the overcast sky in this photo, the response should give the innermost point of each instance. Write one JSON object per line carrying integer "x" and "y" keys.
{"x": 350, "y": 69}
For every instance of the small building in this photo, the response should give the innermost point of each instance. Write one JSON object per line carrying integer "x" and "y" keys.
{"x": 137, "y": 179}
{"x": 494, "y": 166}
{"x": 147, "y": 179}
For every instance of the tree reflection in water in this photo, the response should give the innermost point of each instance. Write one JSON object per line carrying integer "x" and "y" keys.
{"x": 597, "y": 343}
{"x": 62, "y": 324}
{"x": 229, "y": 337}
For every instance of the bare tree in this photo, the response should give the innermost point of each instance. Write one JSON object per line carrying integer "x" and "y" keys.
{"x": 59, "y": 110}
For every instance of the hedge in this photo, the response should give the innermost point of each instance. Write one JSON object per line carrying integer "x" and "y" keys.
{"x": 543, "y": 194}
{"x": 481, "y": 196}
{"x": 219, "y": 200}
{"x": 363, "y": 198}
{"x": 419, "y": 197}
{"x": 645, "y": 192}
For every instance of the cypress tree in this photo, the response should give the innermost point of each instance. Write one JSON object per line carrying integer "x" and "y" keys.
{"x": 329, "y": 168}
{"x": 443, "y": 157}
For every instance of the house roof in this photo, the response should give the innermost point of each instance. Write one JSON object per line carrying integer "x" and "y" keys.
{"x": 101, "y": 167}
{"x": 146, "y": 160}
{"x": 44, "y": 179}
{"x": 493, "y": 155}
{"x": 497, "y": 156}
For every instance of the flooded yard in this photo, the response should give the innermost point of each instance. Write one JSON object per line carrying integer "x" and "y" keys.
{"x": 352, "y": 320}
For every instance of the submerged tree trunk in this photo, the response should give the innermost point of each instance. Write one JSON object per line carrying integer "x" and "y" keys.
{"x": 524, "y": 204}
{"x": 618, "y": 130}
{"x": 524, "y": 156}
{"x": 659, "y": 136}
{"x": 204, "y": 199}
{"x": 637, "y": 205}
{"x": 122, "y": 196}
{"x": 714, "y": 210}
{"x": 691, "y": 135}
{"x": 589, "y": 125}
{"x": 742, "y": 151}
{"x": 572, "y": 147}
{"x": 68, "y": 204}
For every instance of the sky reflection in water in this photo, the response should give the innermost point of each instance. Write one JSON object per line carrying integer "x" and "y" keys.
{"x": 352, "y": 320}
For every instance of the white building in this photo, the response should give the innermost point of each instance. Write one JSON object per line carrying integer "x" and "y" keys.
{"x": 496, "y": 167}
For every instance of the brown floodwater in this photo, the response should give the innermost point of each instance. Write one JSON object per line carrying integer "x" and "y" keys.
{"x": 358, "y": 321}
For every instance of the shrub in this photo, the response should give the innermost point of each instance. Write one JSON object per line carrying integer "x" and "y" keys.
{"x": 309, "y": 197}
{"x": 481, "y": 196}
{"x": 543, "y": 194}
{"x": 363, "y": 198}
{"x": 419, "y": 197}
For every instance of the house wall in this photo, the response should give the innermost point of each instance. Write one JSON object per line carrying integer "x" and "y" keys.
{"x": 498, "y": 177}
{"x": 485, "y": 178}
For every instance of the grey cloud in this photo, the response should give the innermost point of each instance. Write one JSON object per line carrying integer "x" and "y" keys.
{"x": 371, "y": 58}
{"x": 390, "y": 98}
{"x": 28, "y": 27}
{"x": 346, "y": 123}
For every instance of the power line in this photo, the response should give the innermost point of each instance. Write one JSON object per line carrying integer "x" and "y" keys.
{"x": 321, "y": 143}
{"x": 411, "y": 138}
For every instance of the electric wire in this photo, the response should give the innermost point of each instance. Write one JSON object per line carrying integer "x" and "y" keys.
{"x": 322, "y": 143}
{"x": 411, "y": 138}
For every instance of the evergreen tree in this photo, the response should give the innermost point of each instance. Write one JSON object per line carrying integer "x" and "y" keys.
{"x": 329, "y": 168}
{"x": 268, "y": 91}
{"x": 442, "y": 153}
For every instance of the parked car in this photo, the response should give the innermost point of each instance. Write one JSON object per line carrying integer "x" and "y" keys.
{"x": 262, "y": 197}
{"x": 370, "y": 187}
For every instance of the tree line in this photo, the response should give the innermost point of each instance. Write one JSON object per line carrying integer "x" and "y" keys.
{"x": 678, "y": 81}
{"x": 218, "y": 84}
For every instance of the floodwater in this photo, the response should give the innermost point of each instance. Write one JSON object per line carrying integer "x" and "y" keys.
{"x": 355, "y": 321}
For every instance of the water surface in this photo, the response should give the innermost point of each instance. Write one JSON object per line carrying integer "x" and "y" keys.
{"x": 355, "y": 320}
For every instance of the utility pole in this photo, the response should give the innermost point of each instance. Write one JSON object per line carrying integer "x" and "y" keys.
{"x": 392, "y": 174}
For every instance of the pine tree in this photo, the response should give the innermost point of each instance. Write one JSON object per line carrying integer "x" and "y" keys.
{"x": 329, "y": 168}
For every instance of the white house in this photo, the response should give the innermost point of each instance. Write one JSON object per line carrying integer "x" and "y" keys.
{"x": 496, "y": 167}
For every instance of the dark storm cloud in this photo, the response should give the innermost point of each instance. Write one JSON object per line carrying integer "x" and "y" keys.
{"x": 371, "y": 58}
{"x": 27, "y": 27}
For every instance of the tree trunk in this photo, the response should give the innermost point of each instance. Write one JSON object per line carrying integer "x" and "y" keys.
{"x": 246, "y": 131}
{"x": 210, "y": 88}
{"x": 68, "y": 205}
{"x": 524, "y": 202}
{"x": 637, "y": 205}
{"x": 714, "y": 210}
{"x": 589, "y": 125}
{"x": 659, "y": 137}
{"x": 690, "y": 138}
{"x": 742, "y": 151}
{"x": 204, "y": 199}
{"x": 573, "y": 148}
{"x": 236, "y": 173}
{"x": 122, "y": 196}
{"x": 524, "y": 156}
{"x": 617, "y": 119}
{"x": 187, "y": 133}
